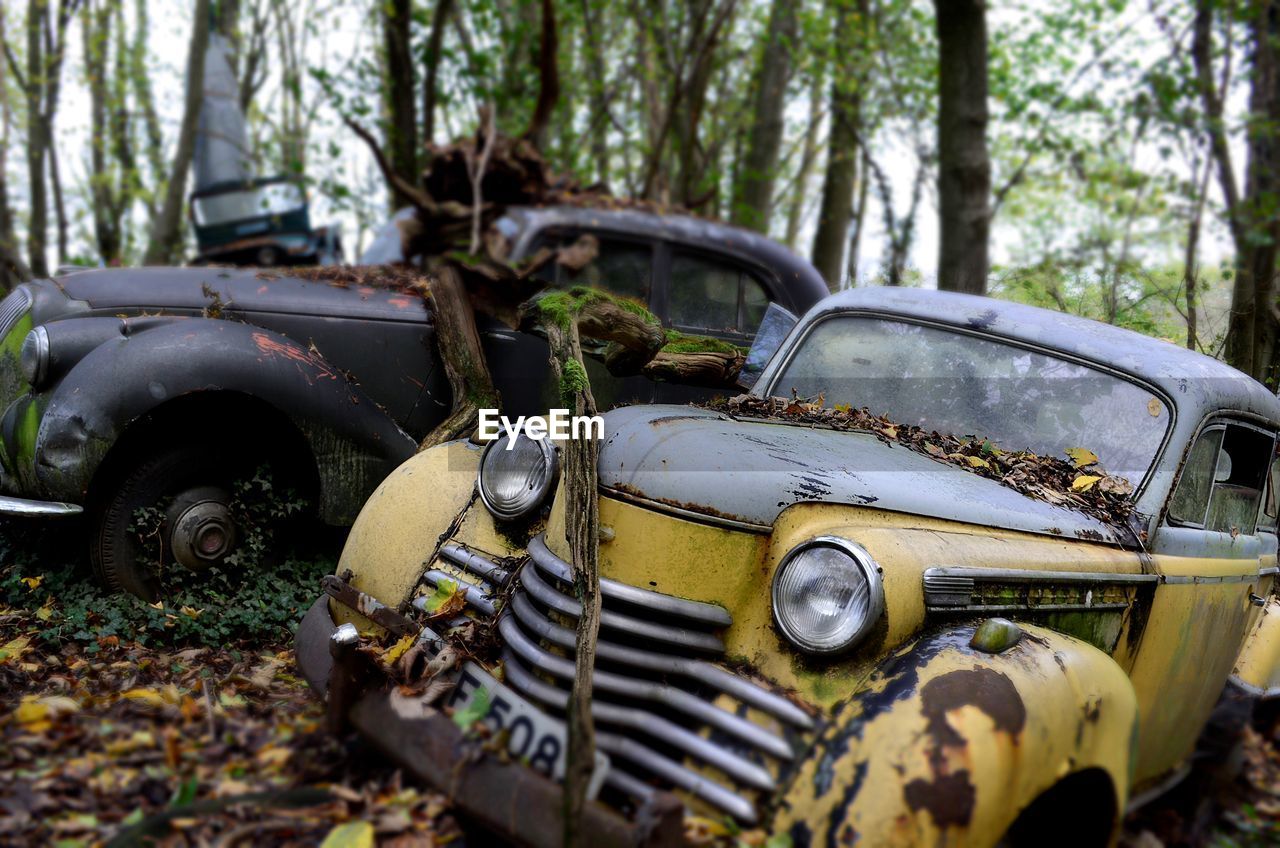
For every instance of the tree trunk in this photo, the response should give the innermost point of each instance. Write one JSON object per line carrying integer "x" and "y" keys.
{"x": 97, "y": 37}
{"x": 402, "y": 117}
{"x": 166, "y": 233}
{"x": 582, "y": 523}
{"x": 597, "y": 76}
{"x": 859, "y": 217}
{"x": 1262, "y": 187}
{"x": 13, "y": 269}
{"x": 753, "y": 194}
{"x": 37, "y": 141}
{"x": 964, "y": 166}
{"x": 808, "y": 155}
{"x": 464, "y": 364}
{"x": 836, "y": 211}
{"x": 431, "y": 84}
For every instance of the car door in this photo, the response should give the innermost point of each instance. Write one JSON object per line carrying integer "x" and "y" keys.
{"x": 709, "y": 294}
{"x": 1212, "y": 551}
{"x": 520, "y": 362}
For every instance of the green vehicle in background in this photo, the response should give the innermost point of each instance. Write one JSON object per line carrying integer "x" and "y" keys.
{"x": 264, "y": 222}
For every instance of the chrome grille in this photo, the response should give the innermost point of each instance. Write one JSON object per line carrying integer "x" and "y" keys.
{"x": 655, "y": 686}
{"x": 12, "y": 308}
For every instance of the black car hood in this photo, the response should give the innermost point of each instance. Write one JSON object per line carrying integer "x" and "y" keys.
{"x": 235, "y": 290}
{"x": 705, "y": 462}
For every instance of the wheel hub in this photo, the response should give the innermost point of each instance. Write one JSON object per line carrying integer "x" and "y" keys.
{"x": 202, "y": 530}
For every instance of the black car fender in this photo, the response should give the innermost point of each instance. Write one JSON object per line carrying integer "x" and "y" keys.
{"x": 355, "y": 444}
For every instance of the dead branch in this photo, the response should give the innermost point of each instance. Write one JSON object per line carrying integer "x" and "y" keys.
{"x": 464, "y": 364}
{"x": 582, "y": 533}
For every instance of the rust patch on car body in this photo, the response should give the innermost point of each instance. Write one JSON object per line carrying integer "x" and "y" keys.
{"x": 274, "y": 347}
{"x": 950, "y": 796}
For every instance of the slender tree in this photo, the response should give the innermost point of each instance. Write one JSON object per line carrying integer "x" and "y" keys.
{"x": 964, "y": 165}
{"x": 753, "y": 194}
{"x": 1255, "y": 229}
{"x": 852, "y": 19}
{"x": 401, "y": 96}
{"x": 166, "y": 233}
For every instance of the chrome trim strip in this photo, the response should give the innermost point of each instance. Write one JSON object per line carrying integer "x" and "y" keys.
{"x": 1275, "y": 569}
{"x": 1185, "y": 579}
{"x": 645, "y": 722}
{"x": 657, "y": 692}
{"x": 659, "y": 506}
{"x": 699, "y": 785}
{"x": 704, "y": 613}
{"x": 1015, "y": 575}
{"x": 700, "y": 670}
{"x": 469, "y": 560}
{"x": 474, "y": 594}
{"x": 667, "y": 635}
{"x": 29, "y": 508}
{"x": 1030, "y": 608}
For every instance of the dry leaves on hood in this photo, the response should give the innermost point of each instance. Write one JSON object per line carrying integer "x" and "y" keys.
{"x": 1078, "y": 484}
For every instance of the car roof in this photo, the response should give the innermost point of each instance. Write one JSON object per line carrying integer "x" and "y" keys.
{"x": 800, "y": 277}
{"x": 1198, "y": 384}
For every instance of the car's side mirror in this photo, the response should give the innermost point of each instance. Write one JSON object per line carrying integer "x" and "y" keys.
{"x": 773, "y": 331}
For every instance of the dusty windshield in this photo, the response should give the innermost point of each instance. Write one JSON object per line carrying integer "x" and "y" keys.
{"x": 967, "y": 386}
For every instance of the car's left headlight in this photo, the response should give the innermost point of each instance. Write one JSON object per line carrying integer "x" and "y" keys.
{"x": 513, "y": 483}
{"x": 33, "y": 357}
{"x": 827, "y": 595}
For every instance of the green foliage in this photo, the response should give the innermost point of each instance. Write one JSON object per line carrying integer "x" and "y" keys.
{"x": 678, "y": 342}
{"x": 226, "y": 607}
{"x": 573, "y": 382}
{"x": 251, "y": 596}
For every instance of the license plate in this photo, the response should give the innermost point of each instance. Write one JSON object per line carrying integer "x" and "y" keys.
{"x": 533, "y": 737}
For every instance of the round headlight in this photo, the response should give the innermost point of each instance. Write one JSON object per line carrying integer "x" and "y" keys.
{"x": 33, "y": 358}
{"x": 827, "y": 595}
{"x": 515, "y": 482}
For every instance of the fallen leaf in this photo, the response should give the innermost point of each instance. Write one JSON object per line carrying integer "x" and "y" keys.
{"x": 14, "y": 648}
{"x": 352, "y": 834}
{"x": 1084, "y": 482}
{"x": 1082, "y": 457}
{"x": 33, "y": 583}
{"x": 1113, "y": 485}
{"x": 1155, "y": 407}
{"x": 977, "y": 462}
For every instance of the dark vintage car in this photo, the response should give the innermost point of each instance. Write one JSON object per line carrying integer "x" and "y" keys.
{"x": 261, "y": 223}
{"x": 120, "y": 392}
{"x": 817, "y": 621}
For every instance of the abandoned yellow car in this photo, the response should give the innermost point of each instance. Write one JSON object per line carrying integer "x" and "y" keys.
{"x": 954, "y": 571}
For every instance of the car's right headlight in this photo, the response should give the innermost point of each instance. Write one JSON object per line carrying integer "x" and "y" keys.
{"x": 513, "y": 483}
{"x": 33, "y": 358}
{"x": 827, "y": 595}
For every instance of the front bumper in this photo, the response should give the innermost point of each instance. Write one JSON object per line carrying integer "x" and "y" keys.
{"x": 505, "y": 797}
{"x": 25, "y": 508}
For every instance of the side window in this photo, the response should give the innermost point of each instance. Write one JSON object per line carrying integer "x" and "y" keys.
{"x": 1269, "y": 501}
{"x": 1223, "y": 480}
{"x": 621, "y": 267}
{"x": 716, "y": 296}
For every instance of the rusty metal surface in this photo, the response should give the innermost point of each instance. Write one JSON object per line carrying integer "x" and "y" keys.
{"x": 368, "y": 606}
{"x": 750, "y": 471}
{"x": 506, "y": 798}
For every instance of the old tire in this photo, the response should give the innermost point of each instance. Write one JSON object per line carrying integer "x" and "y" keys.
{"x": 190, "y": 483}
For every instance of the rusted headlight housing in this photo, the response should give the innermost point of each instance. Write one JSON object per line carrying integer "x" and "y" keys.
{"x": 827, "y": 595}
{"x": 33, "y": 358}
{"x": 513, "y": 483}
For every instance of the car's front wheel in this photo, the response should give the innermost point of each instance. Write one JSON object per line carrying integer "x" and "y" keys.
{"x": 174, "y": 509}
